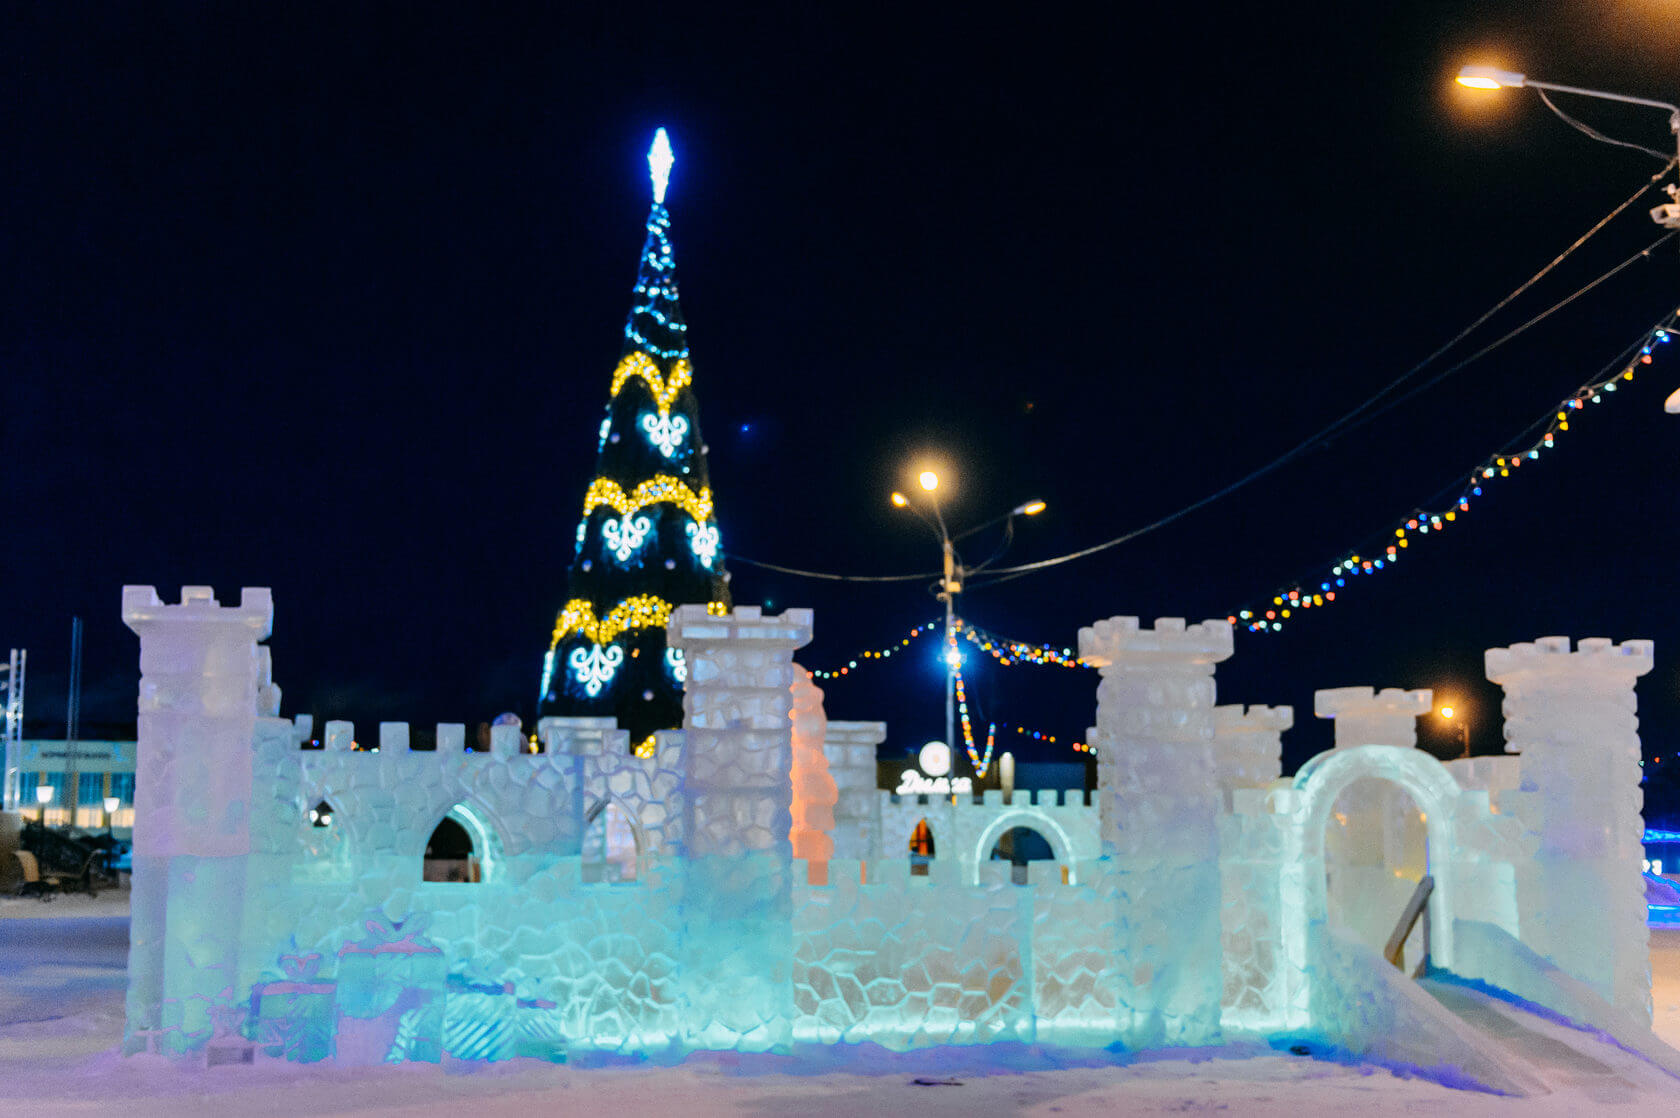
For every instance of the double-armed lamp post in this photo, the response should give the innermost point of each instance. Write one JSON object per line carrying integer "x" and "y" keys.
{"x": 951, "y": 579}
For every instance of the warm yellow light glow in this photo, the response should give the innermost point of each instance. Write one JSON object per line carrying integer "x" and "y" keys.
{"x": 660, "y": 487}
{"x": 1033, "y": 508}
{"x": 1447, "y": 712}
{"x": 664, "y": 389}
{"x": 899, "y": 500}
{"x": 929, "y": 480}
{"x": 1490, "y": 77}
{"x": 639, "y": 611}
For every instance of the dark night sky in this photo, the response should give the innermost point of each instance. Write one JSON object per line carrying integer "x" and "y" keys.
{"x": 329, "y": 302}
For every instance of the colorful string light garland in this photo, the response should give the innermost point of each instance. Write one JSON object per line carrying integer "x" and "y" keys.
{"x": 878, "y": 653}
{"x": 1009, "y": 652}
{"x": 1299, "y": 595}
{"x": 981, "y": 763}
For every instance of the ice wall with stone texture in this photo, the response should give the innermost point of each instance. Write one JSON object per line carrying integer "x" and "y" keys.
{"x": 1160, "y": 805}
{"x": 1570, "y": 713}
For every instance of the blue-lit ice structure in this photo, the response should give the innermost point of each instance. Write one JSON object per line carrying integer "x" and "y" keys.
{"x": 616, "y": 904}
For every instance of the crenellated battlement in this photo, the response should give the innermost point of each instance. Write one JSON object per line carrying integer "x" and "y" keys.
{"x": 1234, "y": 718}
{"x": 1598, "y": 655}
{"x": 1107, "y": 643}
{"x": 141, "y": 604}
{"x": 1366, "y": 716}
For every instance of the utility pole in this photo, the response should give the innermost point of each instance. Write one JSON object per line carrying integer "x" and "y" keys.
{"x": 950, "y": 587}
{"x": 73, "y": 714}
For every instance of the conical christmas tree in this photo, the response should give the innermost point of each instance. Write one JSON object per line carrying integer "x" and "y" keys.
{"x": 648, "y": 541}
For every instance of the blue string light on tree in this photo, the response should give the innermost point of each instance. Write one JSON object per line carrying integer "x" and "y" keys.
{"x": 594, "y": 667}
{"x": 703, "y": 538}
{"x": 665, "y": 431}
{"x": 625, "y": 535}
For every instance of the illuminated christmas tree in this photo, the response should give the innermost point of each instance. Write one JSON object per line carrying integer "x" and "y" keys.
{"x": 648, "y": 540}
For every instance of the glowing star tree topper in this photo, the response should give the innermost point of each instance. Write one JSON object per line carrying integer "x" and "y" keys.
{"x": 660, "y": 160}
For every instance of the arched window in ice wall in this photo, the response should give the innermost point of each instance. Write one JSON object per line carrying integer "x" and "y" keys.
{"x": 1020, "y": 845}
{"x": 454, "y": 854}
{"x": 611, "y": 845}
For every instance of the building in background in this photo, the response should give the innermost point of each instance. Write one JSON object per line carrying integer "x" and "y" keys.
{"x": 104, "y": 770}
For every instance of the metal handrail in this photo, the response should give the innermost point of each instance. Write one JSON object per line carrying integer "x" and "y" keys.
{"x": 1414, "y": 909}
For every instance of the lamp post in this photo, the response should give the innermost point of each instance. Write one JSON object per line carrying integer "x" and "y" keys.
{"x": 1666, "y": 215}
{"x": 1463, "y": 728}
{"x": 111, "y": 805}
{"x": 951, "y": 579}
{"x": 43, "y": 796}
{"x": 1491, "y": 77}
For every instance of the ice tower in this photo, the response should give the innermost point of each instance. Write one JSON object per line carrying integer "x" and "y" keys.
{"x": 648, "y": 540}
{"x": 200, "y": 687}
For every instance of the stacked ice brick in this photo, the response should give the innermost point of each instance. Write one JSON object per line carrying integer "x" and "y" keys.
{"x": 1571, "y": 714}
{"x": 1160, "y": 804}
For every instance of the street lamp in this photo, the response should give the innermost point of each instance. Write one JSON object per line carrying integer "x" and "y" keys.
{"x": 951, "y": 580}
{"x": 1666, "y": 215}
{"x": 1463, "y": 727}
{"x": 43, "y": 796}
{"x": 111, "y": 805}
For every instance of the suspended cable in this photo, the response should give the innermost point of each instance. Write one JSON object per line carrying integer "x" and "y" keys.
{"x": 734, "y": 558}
{"x": 1343, "y": 423}
{"x": 1589, "y": 130}
{"x": 1321, "y": 437}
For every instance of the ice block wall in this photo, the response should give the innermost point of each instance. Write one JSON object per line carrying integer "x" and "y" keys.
{"x": 1159, "y": 806}
{"x": 737, "y": 950}
{"x": 1581, "y": 900}
{"x": 850, "y": 747}
{"x": 200, "y": 676}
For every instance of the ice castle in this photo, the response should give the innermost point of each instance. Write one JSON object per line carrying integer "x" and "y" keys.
{"x": 770, "y": 902}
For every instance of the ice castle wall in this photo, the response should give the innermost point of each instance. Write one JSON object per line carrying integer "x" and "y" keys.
{"x": 311, "y": 942}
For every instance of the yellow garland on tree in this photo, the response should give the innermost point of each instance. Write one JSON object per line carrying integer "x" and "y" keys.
{"x": 640, "y": 611}
{"x": 639, "y": 364}
{"x": 660, "y": 487}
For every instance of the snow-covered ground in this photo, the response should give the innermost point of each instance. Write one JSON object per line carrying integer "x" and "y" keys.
{"x": 62, "y": 981}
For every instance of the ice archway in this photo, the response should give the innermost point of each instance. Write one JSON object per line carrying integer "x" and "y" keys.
{"x": 1318, "y": 784}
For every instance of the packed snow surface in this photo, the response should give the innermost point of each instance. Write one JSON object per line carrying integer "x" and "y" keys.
{"x": 63, "y": 975}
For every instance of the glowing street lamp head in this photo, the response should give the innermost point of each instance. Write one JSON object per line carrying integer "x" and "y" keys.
{"x": 1489, "y": 77}
{"x": 929, "y": 480}
{"x": 1031, "y": 508}
{"x": 659, "y": 164}
{"x": 43, "y": 794}
{"x": 899, "y": 500}
{"x": 1448, "y": 712}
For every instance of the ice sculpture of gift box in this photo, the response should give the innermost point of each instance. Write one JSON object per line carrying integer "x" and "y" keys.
{"x": 294, "y": 1016}
{"x": 390, "y": 995}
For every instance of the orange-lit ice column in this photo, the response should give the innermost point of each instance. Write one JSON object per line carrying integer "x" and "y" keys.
{"x": 1581, "y": 901}
{"x": 1160, "y": 805}
{"x": 199, "y": 679}
{"x": 736, "y": 966}
{"x": 814, "y": 790}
